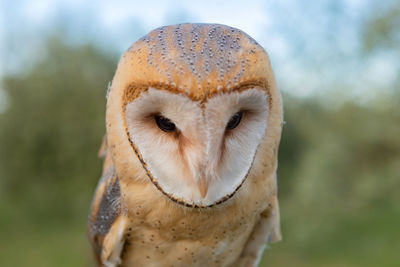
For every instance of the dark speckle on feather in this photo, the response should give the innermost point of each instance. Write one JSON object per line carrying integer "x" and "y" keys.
{"x": 201, "y": 50}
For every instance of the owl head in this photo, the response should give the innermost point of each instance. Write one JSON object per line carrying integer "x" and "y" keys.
{"x": 193, "y": 104}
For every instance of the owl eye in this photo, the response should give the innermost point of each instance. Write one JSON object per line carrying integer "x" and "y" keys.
{"x": 164, "y": 124}
{"x": 234, "y": 120}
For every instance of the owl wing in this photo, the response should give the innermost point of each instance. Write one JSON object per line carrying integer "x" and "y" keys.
{"x": 107, "y": 223}
{"x": 266, "y": 230}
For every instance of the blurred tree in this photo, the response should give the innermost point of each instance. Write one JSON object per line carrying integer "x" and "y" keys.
{"x": 381, "y": 35}
{"x": 49, "y": 138}
{"x": 381, "y": 30}
{"x": 338, "y": 180}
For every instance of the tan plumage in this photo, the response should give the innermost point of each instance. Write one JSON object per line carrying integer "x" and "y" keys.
{"x": 202, "y": 194}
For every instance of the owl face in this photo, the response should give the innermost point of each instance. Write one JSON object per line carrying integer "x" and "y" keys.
{"x": 198, "y": 153}
{"x": 190, "y": 104}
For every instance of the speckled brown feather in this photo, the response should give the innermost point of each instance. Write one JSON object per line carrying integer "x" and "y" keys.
{"x": 198, "y": 60}
{"x": 105, "y": 208}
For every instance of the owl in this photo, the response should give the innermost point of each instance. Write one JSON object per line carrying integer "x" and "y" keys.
{"x": 193, "y": 124}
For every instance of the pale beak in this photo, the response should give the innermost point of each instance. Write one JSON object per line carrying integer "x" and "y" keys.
{"x": 203, "y": 186}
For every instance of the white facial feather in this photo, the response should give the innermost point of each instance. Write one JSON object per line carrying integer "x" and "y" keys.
{"x": 230, "y": 152}
{"x": 202, "y": 147}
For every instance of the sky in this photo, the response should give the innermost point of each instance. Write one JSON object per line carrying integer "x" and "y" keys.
{"x": 315, "y": 46}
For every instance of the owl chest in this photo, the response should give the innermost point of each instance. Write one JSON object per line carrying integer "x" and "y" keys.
{"x": 163, "y": 233}
{"x": 185, "y": 239}
{"x": 185, "y": 245}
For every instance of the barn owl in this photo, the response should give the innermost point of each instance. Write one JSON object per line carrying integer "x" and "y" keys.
{"x": 193, "y": 125}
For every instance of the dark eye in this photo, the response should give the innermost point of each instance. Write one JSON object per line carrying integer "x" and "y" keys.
{"x": 234, "y": 121}
{"x": 164, "y": 124}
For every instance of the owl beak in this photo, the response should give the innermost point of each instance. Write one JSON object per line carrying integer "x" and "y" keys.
{"x": 203, "y": 186}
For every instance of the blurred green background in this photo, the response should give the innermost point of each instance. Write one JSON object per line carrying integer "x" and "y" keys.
{"x": 337, "y": 65}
